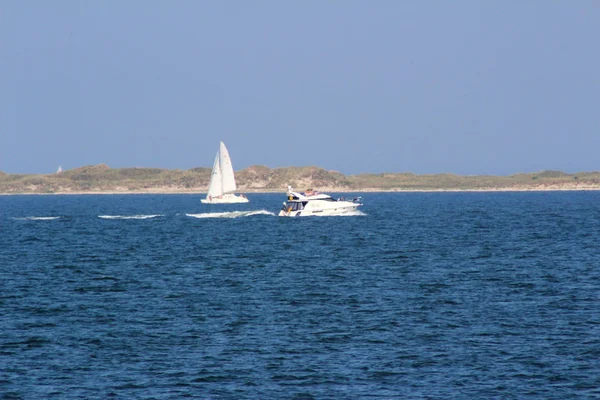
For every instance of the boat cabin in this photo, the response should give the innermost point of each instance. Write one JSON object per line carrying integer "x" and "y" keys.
{"x": 294, "y": 206}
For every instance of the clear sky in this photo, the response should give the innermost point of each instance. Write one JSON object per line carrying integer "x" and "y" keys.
{"x": 468, "y": 87}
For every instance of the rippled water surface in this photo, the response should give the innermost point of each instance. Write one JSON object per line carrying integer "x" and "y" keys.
{"x": 437, "y": 296}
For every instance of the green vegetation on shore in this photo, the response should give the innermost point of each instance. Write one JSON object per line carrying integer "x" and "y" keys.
{"x": 101, "y": 178}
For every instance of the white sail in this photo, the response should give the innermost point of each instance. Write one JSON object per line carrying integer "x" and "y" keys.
{"x": 228, "y": 179}
{"x": 215, "y": 188}
{"x": 222, "y": 181}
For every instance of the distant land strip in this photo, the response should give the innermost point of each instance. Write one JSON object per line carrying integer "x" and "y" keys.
{"x": 103, "y": 179}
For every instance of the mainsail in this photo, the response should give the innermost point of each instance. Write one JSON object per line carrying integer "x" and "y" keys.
{"x": 228, "y": 179}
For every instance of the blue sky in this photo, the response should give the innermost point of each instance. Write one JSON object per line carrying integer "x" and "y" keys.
{"x": 468, "y": 87}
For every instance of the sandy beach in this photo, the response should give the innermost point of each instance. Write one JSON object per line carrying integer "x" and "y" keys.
{"x": 202, "y": 192}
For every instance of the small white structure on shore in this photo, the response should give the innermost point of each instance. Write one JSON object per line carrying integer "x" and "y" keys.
{"x": 59, "y": 170}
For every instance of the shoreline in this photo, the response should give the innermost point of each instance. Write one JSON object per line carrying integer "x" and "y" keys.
{"x": 558, "y": 188}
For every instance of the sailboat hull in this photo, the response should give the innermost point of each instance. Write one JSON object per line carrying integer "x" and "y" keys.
{"x": 225, "y": 199}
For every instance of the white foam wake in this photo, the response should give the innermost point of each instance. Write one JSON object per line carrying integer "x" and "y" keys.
{"x": 129, "y": 216}
{"x": 231, "y": 214}
{"x": 36, "y": 218}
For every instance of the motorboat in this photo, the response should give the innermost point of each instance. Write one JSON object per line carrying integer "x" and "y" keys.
{"x": 315, "y": 203}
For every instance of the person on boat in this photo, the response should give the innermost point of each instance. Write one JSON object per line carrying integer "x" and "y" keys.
{"x": 309, "y": 192}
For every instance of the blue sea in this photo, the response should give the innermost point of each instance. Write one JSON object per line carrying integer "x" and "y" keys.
{"x": 425, "y": 296}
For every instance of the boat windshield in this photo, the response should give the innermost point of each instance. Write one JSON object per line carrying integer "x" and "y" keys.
{"x": 295, "y": 206}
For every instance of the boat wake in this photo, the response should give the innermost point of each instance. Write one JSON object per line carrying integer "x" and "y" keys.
{"x": 129, "y": 216}
{"x": 231, "y": 214}
{"x": 35, "y": 218}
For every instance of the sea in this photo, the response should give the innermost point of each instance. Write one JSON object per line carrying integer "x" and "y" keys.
{"x": 417, "y": 296}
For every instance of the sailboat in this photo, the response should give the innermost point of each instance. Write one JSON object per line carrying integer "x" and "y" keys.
{"x": 222, "y": 181}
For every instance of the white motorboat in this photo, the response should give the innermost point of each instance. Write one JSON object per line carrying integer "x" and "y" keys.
{"x": 222, "y": 181}
{"x": 315, "y": 203}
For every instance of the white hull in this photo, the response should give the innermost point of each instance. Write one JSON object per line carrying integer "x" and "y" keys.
{"x": 225, "y": 199}
{"x": 339, "y": 210}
